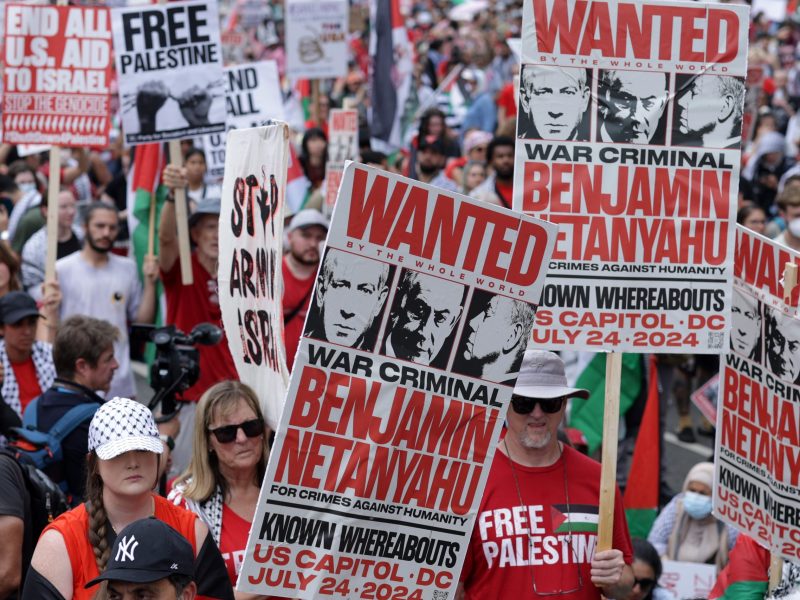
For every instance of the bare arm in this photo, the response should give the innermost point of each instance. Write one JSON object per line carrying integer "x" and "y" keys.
{"x": 11, "y": 532}
{"x": 168, "y": 251}
{"x": 47, "y": 327}
{"x": 147, "y": 306}
{"x": 611, "y": 574}
{"x": 70, "y": 174}
{"x": 51, "y": 560}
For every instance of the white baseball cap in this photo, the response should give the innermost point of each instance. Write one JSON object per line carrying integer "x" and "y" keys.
{"x": 121, "y": 425}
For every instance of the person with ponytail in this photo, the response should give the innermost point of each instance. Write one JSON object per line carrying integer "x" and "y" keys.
{"x": 122, "y": 470}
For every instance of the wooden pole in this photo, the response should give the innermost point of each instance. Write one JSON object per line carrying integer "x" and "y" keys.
{"x": 181, "y": 216}
{"x": 608, "y": 473}
{"x": 151, "y": 225}
{"x": 53, "y": 187}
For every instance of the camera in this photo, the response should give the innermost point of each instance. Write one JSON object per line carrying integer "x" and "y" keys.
{"x": 176, "y": 366}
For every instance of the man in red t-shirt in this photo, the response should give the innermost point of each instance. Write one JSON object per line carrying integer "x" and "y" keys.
{"x": 306, "y": 232}
{"x": 499, "y": 186}
{"x": 536, "y": 530}
{"x": 188, "y": 305}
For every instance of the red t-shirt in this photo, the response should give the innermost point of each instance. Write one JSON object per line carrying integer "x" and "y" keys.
{"x": 506, "y": 192}
{"x": 29, "y": 388}
{"x": 295, "y": 292}
{"x": 233, "y": 541}
{"x": 515, "y": 544}
{"x": 188, "y": 305}
{"x": 506, "y": 99}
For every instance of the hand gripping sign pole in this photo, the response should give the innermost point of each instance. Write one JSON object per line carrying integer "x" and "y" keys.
{"x": 789, "y": 283}
{"x": 608, "y": 473}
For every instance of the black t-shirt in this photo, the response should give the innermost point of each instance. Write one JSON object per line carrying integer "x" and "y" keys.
{"x": 16, "y": 502}
{"x": 73, "y": 244}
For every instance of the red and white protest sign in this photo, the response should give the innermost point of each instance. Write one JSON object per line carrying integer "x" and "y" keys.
{"x": 420, "y": 316}
{"x": 250, "y": 253}
{"x": 628, "y": 138}
{"x": 757, "y": 466}
{"x": 342, "y": 146}
{"x": 57, "y": 75}
{"x": 687, "y": 579}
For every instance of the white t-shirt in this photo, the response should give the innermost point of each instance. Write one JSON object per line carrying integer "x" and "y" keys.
{"x": 112, "y": 293}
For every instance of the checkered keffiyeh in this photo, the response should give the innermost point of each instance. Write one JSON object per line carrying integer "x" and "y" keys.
{"x": 42, "y": 354}
{"x": 121, "y": 425}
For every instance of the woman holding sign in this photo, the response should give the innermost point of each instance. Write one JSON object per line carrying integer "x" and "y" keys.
{"x": 229, "y": 459}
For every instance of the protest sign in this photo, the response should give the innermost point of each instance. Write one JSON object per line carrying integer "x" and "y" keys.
{"x": 614, "y": 144}
{"x": 705, "y": 397}
{"x": 56, "y": 76}
{"x": 250, "y": 254}
{"x": 316, "y": 38}
{"x": 398, "y": 393}
{"x": 253, "y": 98}
{"x": 169, "y": 64}
{"x": 757, "y": 466}
{"x": 342, "y": 146}
{"x": 687, "y": 580}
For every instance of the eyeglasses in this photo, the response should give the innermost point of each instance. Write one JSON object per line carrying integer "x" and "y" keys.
{"x": 227, "y": 433}
{"x": 524, "y": 406}
{"x": 645, "y": 584}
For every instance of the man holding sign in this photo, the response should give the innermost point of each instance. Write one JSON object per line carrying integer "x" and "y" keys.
{"x": 536, "y": 530}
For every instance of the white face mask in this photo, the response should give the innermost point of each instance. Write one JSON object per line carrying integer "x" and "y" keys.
{"x": 794, "y": 227}
{"x": 26, "y": 187}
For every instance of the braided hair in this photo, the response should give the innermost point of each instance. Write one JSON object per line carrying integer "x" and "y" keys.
{"x": 98, "y": 519}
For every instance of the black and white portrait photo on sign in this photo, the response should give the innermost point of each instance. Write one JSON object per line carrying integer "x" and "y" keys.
{"x": 632, "y": 107}
{"x": 494, "y": 338}
{"x": 782, "y": 340}
{"x": 349, "y": 299}
{"x": 746, "y": 321}
{"x": 423, "y": 319}
{"x": 708, "y": 111}
{"x": 554, "y": 103}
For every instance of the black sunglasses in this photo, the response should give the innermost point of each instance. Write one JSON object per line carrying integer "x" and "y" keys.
{"x": 227, "y": 433}
{"x": 524, "y": 406}
{"x": 645, "y": 584}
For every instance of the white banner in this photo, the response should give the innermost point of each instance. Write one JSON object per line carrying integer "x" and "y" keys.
{"x": 316, "y": 38}
{"x": 628, "y": 136}
{"x": 250, "y": 255}
{"x": 169, "y": 70}
{"x": 419, "y": 319}
{"x": 687, "y": 580}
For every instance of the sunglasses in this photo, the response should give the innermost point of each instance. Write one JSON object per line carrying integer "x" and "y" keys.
{"x": 227, "y": 433}
{"x": 644, "y": 584}
{"x": 524, "y": 406}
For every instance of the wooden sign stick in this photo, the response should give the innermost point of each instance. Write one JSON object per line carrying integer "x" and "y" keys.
{"x": 608, "y": 473}
{"x": 182, "y": 218}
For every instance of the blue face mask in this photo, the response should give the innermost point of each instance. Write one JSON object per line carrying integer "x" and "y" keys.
{"x": 697, "y": 505}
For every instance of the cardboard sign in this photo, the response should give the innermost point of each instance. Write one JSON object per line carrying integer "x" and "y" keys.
{"x": 687, "y": 580}
{"x": 398, "y": 393}
{"x": 615, "y": 147}
{"x": 342, "y": 146}
{"x": 253, "y": 98}
{"x": 169, "y": 64}
{"x": 757, "y": 466}
{"x": 57, "y": 75}
{"x": 250, "y": 255}
{"x": 705, "y": 398}
{"x": 316, "y": 38}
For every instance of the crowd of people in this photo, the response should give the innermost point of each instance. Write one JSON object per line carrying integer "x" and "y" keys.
{"x": 185, "y": 484}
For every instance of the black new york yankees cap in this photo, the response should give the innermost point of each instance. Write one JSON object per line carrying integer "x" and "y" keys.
{"x": 146, "y": 551}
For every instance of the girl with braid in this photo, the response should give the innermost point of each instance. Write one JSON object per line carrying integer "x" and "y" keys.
{"x": 124, "y": 452}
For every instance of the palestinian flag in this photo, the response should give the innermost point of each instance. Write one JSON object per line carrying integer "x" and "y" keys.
{"x": 641, "y": 493}
{"x": 587, "y": 415}
{"x": 574, "y": 518}
{"x": 746, "y": 575}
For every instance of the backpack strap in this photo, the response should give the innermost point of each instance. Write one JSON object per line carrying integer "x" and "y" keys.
{"x": 30, "y": 418}
{"x": 71, "y": 419}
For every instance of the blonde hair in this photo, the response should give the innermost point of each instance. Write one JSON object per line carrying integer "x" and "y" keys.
{"x": 202, "y": 476}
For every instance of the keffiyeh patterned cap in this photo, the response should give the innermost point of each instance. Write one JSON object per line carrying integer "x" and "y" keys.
{"x": 122, "y": 425}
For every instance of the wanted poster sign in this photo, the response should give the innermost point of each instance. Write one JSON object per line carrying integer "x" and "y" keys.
{"x": 56, "y": 75}
{"x": 316, "y": 38}
{"x": 628, "y": 136}
{"x": 420, "y": 316}
{"x": 342, "y": 146}
{"x": 169, "y": 64}
{"x": 250, "y": 255}
{"x": 757, "y": 470}
{"x": 252, "y": 99}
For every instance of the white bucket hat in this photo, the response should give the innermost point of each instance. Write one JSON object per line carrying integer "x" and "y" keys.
{"x": 122, "y": 425}
{"x": 542, "y": 377}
